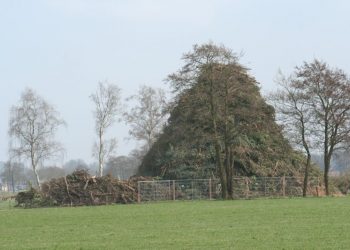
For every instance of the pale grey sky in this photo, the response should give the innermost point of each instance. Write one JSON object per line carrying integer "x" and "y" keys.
{"x": 62, "y": 48}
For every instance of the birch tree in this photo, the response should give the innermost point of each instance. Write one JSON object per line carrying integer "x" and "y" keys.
{"x": 148, "y": 115}
{"x": 107, "y": 106}
{"x": 32, "y": 127}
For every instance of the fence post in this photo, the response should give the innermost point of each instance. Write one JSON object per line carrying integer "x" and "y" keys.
{"x": 284, "y": 185}
{"x": 138, "y": 192}
{"x": 174, "y": 189}
{"x": 246, "y": 187}
{"x": 169, "y": 196}
{"x": 192, "y": 189}
{"x": 209, "y": 188}
{"x": 154, "y": 190}
{"x": 318, "y": 187}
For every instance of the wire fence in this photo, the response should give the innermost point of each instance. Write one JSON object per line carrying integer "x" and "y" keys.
{"x": 243, "y": 188}
{"x": 208, "y": 189}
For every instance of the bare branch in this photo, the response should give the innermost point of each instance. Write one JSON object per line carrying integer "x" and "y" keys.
{"x": 32, "y": 127}
{"x": 107, "y": 107}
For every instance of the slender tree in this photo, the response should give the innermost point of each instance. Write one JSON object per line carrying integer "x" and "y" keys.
{"x": 148, "y": 116}
{"x": 294, "y": 113}
{"x": 326, "y": 92}
{"x": 107, "y": 107}
{"x": 32, "y": 127}
{"x": 329, "y": 93}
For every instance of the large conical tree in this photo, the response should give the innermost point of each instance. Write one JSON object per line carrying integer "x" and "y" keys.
{"x": 220, "y": 125}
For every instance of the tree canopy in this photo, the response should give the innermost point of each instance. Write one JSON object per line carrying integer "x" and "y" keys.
{"x": 245, "y": 138}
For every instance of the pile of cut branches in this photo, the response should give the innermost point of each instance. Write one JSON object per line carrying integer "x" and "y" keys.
{"x": 80, "y": 188}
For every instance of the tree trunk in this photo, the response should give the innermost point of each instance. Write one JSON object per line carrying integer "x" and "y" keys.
{"x": 306, "y": 175}
{"x": 326, "y": 182}
{"x": 100, "y": 153}
{"x": 222, "y": 172}
{"x": 34, "y": 166}
{"x": 328, "y": 151}
{"x": 12, "y": 180}
{"x": 327, "y": 163}
{"x": 100, "y": 169}
{"x": 230, "y": 174}
{"x": 10, "y": 175}
{"x": 37, "y": 177}
{"x": 228, "y": 151}
{"x": 219, "y": 163}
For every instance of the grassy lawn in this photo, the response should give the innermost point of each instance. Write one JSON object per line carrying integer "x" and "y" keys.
{"x": 313, "y": 223}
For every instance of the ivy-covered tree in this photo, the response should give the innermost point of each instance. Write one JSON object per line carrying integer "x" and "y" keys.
{"x": 219, "y": 125}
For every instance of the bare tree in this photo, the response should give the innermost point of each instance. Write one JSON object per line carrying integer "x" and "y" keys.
{"x": 148, "y": 116}
{"x": 122, "y": 166}
{"x": 326, "y": 96}
{"x": 32, "y": 127}
{"x": 51, "y": 172}
{"x": 329, "y": 93}
{"x": 107, "y": 107}
{"x": 72, "y": 165}
{"x": 294, "y": 113}
{"x": 13, "y": 174}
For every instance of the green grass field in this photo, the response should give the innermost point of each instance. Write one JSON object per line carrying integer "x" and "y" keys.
{"x": 312, "y": 223}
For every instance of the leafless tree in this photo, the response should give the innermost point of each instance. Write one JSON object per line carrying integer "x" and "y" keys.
{"x": 294, "y": 113}
{"x": 326, "y": 100}
{"x": 148, "y": 116}
{"x": 13, "y": 174}
{"x": 329, "y": 93}
{"x": 48, "y": 173}
{"x": 122, "y": 167}
{"x": 107, "y": 107}
{"x": 32, "y": 127}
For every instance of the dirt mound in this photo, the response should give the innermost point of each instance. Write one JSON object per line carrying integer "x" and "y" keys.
{"x": 80, "y": 188}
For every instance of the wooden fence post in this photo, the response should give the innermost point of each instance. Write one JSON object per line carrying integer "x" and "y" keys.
{"x": 284, "y": 185}
{"x": 209, "y": 188}
{"x": 192, "y": 190}
{"x": 246, "y": 180}
{"x": 154, "y": 190}
{"x": 174, "y": 190}
{"x": 169, "y": 186}
{"x": 138, "y": 192}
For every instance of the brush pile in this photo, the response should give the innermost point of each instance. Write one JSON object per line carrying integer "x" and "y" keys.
{"x": 80, "y": 188}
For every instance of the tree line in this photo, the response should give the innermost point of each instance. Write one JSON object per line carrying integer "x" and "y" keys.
{"x": 220, "y": 121}
{"x": 217, "y": 124}
{"x": 34, "y": 122}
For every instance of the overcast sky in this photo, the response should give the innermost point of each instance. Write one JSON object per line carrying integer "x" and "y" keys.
{"x": 62, "y": 48}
